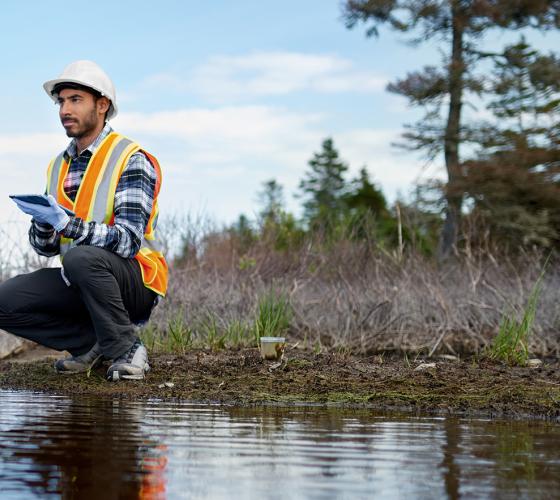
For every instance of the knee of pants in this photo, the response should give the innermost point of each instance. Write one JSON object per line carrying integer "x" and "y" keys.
{"x": 12, "y": 300}
{"x": 81, "y": 262}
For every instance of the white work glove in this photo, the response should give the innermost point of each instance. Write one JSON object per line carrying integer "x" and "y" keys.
{"x": 53, "y": 214}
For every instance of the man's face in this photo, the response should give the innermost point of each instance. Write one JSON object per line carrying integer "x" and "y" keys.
{"x": 79, "y": 112}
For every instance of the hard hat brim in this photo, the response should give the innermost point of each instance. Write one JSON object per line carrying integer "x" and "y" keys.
{"x": 50, "y": 84}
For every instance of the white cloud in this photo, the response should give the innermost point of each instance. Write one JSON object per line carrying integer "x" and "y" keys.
{"x": 231, "y": 135}
{"x": 227, "y": 78}
{"x": 34, "y": 144}
{"x": 394, "y": 170}
{"x": 23, "y": 162}
{"x": 226, "y": 153}
{"x": 215, "y": 160}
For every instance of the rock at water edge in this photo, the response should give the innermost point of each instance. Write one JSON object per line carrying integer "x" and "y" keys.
{"x": 10, "y": 344}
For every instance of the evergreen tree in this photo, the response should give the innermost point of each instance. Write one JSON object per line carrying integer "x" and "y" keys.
{"x": 367, "y": 215}
{"x": 459, "y": 26}
{"x": 514, "y": 178}
{"x": 365, "y": 196}
{"x": 323, "y": 187}
{"x": 271, "y": 199}
{"x": 242, "y": 232}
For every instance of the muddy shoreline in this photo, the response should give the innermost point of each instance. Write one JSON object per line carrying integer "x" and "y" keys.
{"x": 468, "y": 387}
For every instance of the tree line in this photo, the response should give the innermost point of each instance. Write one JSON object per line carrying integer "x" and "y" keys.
{"x": 335, "y": 207}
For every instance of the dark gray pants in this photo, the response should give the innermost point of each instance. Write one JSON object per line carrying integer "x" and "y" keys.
{"x": 105, "y": 299}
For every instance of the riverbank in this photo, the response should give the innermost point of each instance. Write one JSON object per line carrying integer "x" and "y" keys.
{"x": 240, "y": 377}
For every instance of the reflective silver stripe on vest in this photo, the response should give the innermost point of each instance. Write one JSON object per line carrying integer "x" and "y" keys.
{"x": 55, "y": 175}
{"x": 101, "y": 196}
{"x": 154, "y": 244}
{"x": 52, "y": 188}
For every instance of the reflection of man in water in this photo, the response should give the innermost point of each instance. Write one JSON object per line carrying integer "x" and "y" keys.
{"x": 89, "y": 451}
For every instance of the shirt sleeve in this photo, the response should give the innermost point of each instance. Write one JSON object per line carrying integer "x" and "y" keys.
{"x": 134, "y": 198}
{"x": 44, "y": 239}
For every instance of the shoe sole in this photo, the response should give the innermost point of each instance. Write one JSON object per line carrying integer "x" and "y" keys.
{"x": 134, "y": 377}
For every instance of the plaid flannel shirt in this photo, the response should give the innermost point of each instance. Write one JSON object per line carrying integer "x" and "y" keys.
{"x": 133, "y": 205}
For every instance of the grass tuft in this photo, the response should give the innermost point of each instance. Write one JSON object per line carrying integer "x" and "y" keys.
{"x": 273, "y": 315}
{"x": 511, "y": 345}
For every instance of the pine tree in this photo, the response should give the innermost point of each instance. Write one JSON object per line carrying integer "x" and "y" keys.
{"x": 323, "y": 187}
{"x": 514, "y": 177}
{"x": 242, "y": 232}
{"x": 271, "y": 199}
{"x": 459, "y": 27}
{"x": 365, "y": 196}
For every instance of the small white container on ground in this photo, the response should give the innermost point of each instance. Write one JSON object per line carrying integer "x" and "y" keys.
{"x": 272, "y": 347}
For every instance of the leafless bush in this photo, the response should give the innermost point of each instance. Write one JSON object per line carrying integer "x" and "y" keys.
{"x": 353, "y": 295}
{"x": 16, "y": 254}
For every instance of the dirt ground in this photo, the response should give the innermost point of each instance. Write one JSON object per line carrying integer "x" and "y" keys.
{"x": 241, "y": 377}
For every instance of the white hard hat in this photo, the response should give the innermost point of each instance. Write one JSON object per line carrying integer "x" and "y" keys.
{"x": 89, "y": 74}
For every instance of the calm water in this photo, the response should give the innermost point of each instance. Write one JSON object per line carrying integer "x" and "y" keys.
{"x": 61, "y": 447}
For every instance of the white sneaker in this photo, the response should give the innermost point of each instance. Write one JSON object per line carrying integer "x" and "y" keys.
{"x": 132, "y": 365}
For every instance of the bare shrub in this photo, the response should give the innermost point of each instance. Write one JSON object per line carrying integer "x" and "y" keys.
{"x": 16, "y": 254}
{"x": 354, "y": 295}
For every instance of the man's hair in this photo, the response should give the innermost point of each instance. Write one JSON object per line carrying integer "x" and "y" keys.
{"x": 59, "y": 87}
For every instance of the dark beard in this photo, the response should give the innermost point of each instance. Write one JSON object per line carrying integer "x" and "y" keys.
{"x": 85, "y": 127}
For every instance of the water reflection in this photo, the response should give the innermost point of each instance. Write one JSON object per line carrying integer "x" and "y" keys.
{"x": 449, "y": 464}
{"x": 522, "y": 458}
{"x": 80, "y": 448}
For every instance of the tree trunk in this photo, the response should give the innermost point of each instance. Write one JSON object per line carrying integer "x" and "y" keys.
{"x": 454, "y": 196}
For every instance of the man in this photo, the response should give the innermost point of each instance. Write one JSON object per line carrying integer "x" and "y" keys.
{"x": 112, "y": 271}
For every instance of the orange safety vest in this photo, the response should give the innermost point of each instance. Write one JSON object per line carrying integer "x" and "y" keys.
{"x": 96, "y": 197}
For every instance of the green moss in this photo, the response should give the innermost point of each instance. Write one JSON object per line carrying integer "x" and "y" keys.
{"x": 241, "y": 377}
{"x": 298, "y": 363}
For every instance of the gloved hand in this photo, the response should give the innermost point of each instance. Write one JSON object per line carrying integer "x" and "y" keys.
{"x": 53, "y": 214}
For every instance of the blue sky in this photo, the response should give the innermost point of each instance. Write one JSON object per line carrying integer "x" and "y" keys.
{"x": 226, "y": 94}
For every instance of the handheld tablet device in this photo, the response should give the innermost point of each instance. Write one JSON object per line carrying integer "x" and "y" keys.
{"x": 37, "y": 199}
